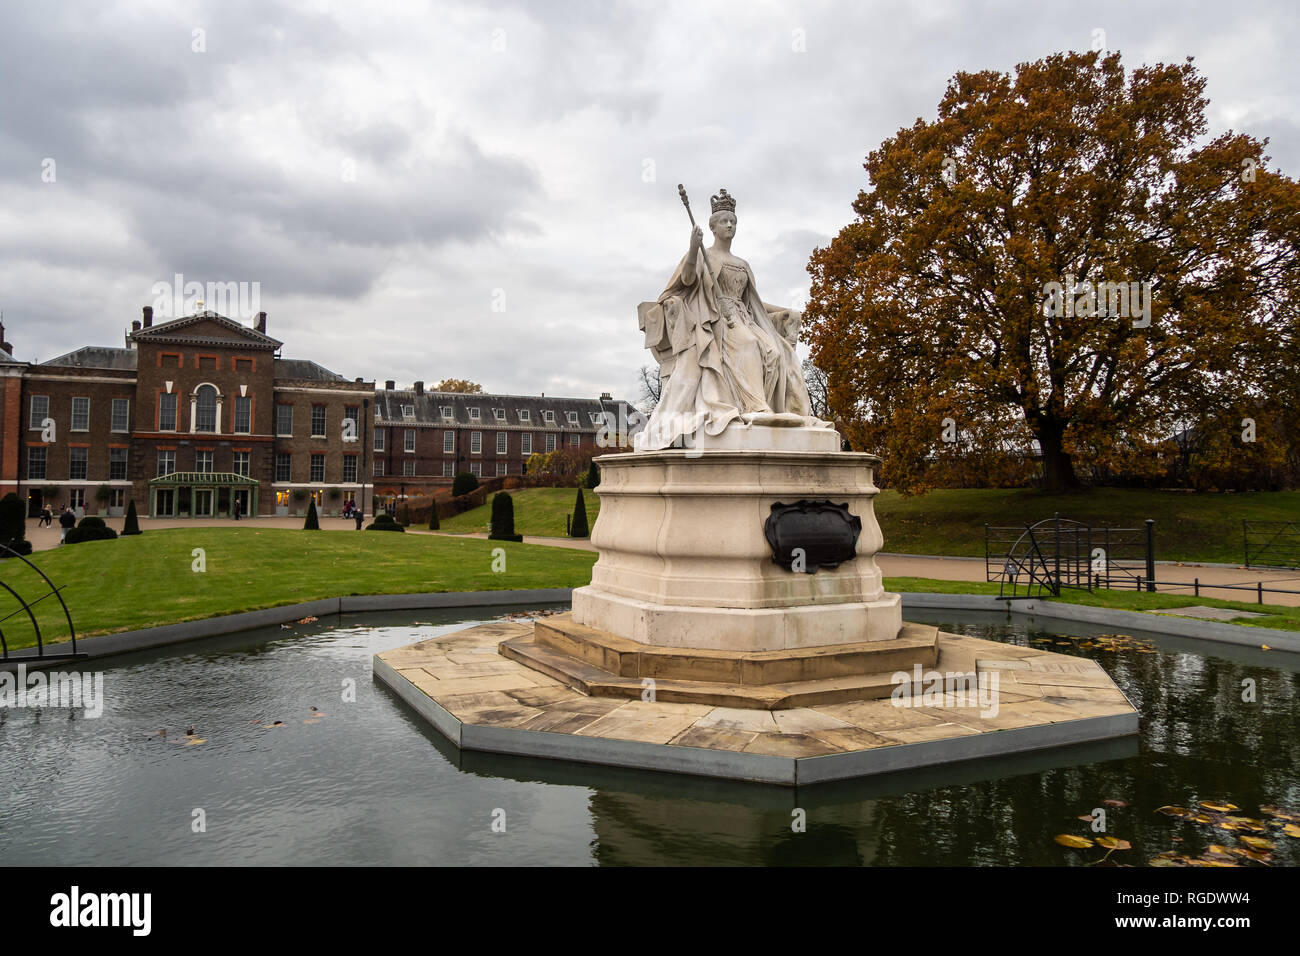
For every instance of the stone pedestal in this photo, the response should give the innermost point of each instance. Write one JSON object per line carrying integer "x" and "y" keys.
{"x": 684, "y": 561}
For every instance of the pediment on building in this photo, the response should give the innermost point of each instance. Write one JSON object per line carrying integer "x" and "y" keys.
{"x": 206, "y": 328}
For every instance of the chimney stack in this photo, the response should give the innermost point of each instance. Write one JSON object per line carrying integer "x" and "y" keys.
{"x": 605, "y": 397}
{"x": 135, "y": 325}
{"x": 390, "y": 385}
{"x": 9, "y": 349}
{"x": 148, "y": 316}
{"x": 260, "y": 323}
{"x": 419, "y": 388}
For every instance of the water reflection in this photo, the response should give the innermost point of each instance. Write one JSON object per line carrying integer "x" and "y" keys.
{"x": 369, "y": 782}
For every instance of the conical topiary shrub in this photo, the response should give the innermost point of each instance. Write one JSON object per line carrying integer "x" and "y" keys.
{"x": 503, "y": 519}
{"x": 132, "y": 524}
{"x": 593, "y": 476}
{"x": 579, "y": 527}
{"x": 433, "y": 515}
{"x": 13, "y": 525}
{"x": 312, "y": 523}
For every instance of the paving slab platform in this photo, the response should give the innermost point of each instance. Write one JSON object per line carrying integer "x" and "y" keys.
{"x": 480, "y": 700}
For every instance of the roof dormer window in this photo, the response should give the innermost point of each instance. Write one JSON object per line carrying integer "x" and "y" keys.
{"x": 474, "y": 414}
{"x": 549, "y": 416}
{"x": 445, "y": 410}
{"x": 499, "y": 414}
{"x": 408, "y": 412}
{"x": 573, "y": 418}
{"x": 524, "y": 415}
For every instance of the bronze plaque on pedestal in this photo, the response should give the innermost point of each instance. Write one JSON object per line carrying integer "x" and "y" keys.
{"x": 809, "y": 535}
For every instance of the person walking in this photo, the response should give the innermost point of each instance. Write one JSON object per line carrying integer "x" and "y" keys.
{"x": 47, "y": 516}
{"x": 67, "y": 520}
{"x": 236, "y": 509}
{"x": 356, "y": 515}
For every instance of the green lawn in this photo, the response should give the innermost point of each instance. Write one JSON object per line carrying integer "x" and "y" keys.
{"x": 148, "y": 580}
{"x": 1276, "y": 615}
{"x": 1189, "y": 527}
{"x": 538, "y": 511}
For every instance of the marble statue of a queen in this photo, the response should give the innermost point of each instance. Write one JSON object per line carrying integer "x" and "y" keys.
{"x": 724, "y": 356}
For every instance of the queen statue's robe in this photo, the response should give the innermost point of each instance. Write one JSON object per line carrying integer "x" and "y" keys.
{"x": 712, "y": 373}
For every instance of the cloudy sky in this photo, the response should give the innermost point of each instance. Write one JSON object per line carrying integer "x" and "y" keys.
{"x": 487, "y": 189}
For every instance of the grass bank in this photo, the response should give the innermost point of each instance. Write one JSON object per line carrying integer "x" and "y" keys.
{"x": 149, "y": 580}
{"x": 1189, "y": 527}
{"x": 1275, "y": 615}
{"x": 539, "y": 511}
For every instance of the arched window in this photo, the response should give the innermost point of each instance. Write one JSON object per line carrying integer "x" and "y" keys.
{"x": 205, "y": 418}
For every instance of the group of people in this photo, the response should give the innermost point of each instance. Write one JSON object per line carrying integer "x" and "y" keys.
{"x": 67, "y": 519}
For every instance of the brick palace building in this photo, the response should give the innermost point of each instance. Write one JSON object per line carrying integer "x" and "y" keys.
{"x": 201, "y": 412}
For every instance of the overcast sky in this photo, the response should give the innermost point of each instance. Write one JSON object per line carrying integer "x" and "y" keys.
{"x": 487, "y": 189}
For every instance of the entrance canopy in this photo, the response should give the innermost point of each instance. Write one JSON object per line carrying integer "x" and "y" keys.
{"x": 188, "y": 479}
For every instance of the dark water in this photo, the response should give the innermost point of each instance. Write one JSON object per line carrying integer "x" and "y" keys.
{"x": 370, "y": 784}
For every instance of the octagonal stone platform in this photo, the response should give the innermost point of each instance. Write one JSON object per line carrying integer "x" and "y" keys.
{"x": 481, "y": 700}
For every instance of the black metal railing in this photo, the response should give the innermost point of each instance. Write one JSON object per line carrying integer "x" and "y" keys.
{"x": 27, "y": 607}
{"x": 1272, "y": 544}
{"x": 1058, "y": 553}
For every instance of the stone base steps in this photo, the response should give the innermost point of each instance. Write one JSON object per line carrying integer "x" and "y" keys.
{"x": 915, "y": 644}
{"x": 603, "y": 665}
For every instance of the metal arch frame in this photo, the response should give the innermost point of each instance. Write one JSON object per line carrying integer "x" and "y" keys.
{"x": 40, "y": 644}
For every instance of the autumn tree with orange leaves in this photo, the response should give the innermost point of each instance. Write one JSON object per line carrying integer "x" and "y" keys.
{"x": 990, "y": 292}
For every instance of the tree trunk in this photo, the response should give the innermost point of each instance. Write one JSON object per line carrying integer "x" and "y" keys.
{"x": 1058, "y": 468}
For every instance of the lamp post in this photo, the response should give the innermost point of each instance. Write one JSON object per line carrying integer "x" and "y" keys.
{"x": 365, "y": 446}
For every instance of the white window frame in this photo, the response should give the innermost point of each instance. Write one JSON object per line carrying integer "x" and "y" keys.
{"x": 597, "y": 418}
{"x": 448, "y": 469}
{"x": 176, "y": 412}
{"x": 503, "y": 443}
{"x": 550, "y": 441}
{"x": 524, "y": 414}
{"x": 444, "y": 411}
{"x": 408, "y": 413}
{"x": 211, "y": 460}
{"x": 449, "y": 442}
{"x": 278, "y": 433}
{"x": 170, "y": 458}
{"x": 351, "y": 460}
{"x": 408, "y": 442}
{"x": 112, "y": 419}
{"x": 526, "y": 444}
{"x": 316, "y": 456}
{"x": 548, "y": 416}
{"x": 236, "y": 430}
{"x": 499, "y": 414}
{"x": 575, "y": 439}
{"x": 476, "y": 469}
{"x": 247, "y": 470}
{"x": 377, "y": 468}
{"x": 408, "y": 468}
{"x": 35, "y": 423}
{"x": 572, "y": 417}
{"x": 475, "y": 414}
{"x": 324, "y": 421}
{"x": 501, "y": 468}
{"x": 126, "y": 463}
{"x": 45, "y": 463}
{"x": 476, "y": 443}
{"x": 85, "y": 461}
{"x": 72, "y": 423}
{"x": 379, "y": 439}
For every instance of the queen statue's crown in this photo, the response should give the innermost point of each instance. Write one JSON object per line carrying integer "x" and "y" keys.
{"x": 722, "y": 202}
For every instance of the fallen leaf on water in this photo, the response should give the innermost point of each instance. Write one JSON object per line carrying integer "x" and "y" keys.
{"x": 1219, "y": 807}
{"x": 1292, "y": 830}
{"x": 1256, "y": 843}
{"x": 1085, "y": 817}
{"x": 1072, "y": 841}
{"x": 1174, "y": 811}
{"x": 1280, "y": 813}
{"x": 1115, "y": 803}
{"x": 1265, "y": 647}
{"x": 195, "y": 741}
{"x": 1111, "y": 843}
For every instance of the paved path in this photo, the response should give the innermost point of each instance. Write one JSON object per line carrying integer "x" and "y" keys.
{"x": 893, "y": 565}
